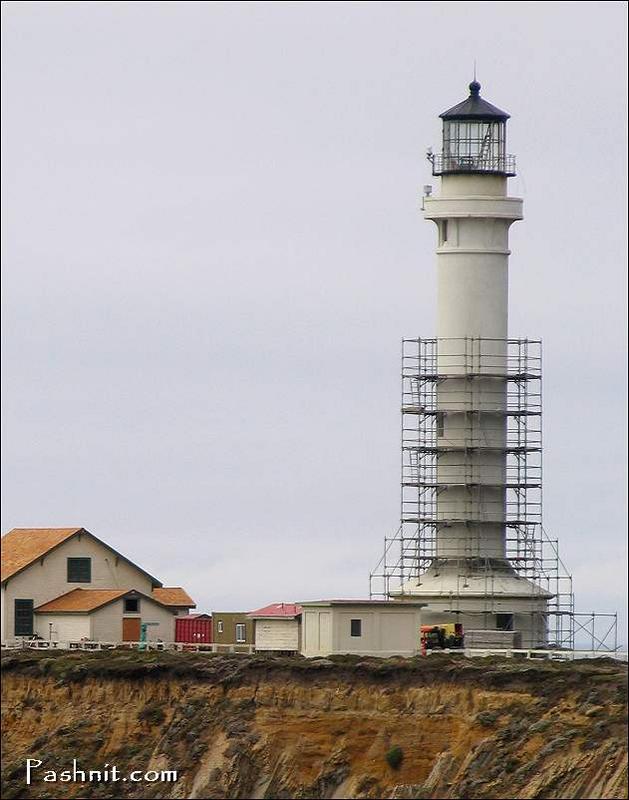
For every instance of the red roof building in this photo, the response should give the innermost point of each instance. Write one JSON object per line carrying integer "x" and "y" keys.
{"x": 277, "y": 628}
{"x": 276, "y": 610}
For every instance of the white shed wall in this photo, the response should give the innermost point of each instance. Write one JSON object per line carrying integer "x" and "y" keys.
{"x": 65, "y": 627}
{"x": 384, "y": 631}
{"x": 276, "y": 634}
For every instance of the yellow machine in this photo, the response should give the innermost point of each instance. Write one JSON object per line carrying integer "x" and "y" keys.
{"x": 447, "y": 635}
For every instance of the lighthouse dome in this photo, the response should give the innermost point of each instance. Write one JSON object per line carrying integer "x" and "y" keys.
{"x": 474, "y": 107}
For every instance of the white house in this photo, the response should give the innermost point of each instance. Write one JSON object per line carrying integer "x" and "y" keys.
{"x": 65, "y": 583}
{"x": 363, "y": 627}
{"x": 277, "y": 628}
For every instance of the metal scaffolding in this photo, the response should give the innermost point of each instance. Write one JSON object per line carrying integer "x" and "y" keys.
{"x": 492, "y": 389}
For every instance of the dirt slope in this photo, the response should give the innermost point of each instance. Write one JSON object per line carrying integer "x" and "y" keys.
{"x": 242, "y": 726}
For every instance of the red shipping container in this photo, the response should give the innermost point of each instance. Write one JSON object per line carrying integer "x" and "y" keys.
{"x": 193, "y": 629}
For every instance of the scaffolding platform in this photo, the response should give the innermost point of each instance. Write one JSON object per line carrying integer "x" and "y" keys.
{"x": 491, "y": 391}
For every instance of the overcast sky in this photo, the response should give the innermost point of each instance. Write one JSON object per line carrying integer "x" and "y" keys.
{"x": 213, "y": 246}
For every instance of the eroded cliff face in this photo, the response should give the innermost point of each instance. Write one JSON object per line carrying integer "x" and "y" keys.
{"x": 255, "y": 727}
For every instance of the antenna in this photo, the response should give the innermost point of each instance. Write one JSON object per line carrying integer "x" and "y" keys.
{"x": 474, "y": 69}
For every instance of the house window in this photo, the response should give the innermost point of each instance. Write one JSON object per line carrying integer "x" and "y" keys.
{"x": 219, "y": 626}
{"x": 23, "y": 618}
{"x": 131, "y": 605}
{"x": 356, "y": 626}
{"x": 240, "y": 632}
{"x": 504, "y": 622}
{"x": 79, "y": 570}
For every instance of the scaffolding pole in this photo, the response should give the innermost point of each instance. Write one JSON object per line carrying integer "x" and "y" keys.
{"x": 495, "y": 388}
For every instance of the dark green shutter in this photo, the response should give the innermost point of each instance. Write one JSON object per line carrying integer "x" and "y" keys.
{"x": 79, "y": 570}
{"x": 23, "y": 617}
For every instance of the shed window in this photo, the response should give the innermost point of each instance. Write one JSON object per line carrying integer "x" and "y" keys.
{"x": 219, "y": 626}
{"x": 131, "y": 605}
{"x": 356, "y": 627}
{"x": 79, "y": 570}
{"x": 23, "y": 618}
{"x": 241, "y": 635}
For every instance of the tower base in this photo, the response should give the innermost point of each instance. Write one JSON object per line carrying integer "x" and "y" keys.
{"x": 484, "y": 595}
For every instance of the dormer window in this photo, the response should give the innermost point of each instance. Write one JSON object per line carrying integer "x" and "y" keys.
{"x": 132, "y": 605}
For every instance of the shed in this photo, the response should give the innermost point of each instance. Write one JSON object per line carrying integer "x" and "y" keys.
{"x": 364, "y": 627}
{"x": 277, "y": 628}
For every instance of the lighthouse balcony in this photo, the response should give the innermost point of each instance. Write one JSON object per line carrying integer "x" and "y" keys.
{"x": 446, "y": 164}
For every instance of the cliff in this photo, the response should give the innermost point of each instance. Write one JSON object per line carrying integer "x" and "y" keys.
{"x": 260, "y": 727}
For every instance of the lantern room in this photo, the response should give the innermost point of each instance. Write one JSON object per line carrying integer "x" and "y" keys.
{"x": 474, "y": 139}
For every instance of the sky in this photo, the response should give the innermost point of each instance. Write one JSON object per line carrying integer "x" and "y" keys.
{"x": 213, "y": 245}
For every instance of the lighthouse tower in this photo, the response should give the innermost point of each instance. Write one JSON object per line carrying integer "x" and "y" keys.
{"x": 471, "y": 406}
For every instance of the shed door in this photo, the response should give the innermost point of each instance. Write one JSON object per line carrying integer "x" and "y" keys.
{"x": 325, "y": 633}
{"x": 131, "y": 629}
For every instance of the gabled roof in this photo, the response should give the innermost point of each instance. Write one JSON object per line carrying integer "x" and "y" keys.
{"x": 81, "y": 601}
{"x": 277, "y": 610}
{"x": 173, "y": 596}
{"x": 474, "y": 107}
{"x": 21, "y": 547}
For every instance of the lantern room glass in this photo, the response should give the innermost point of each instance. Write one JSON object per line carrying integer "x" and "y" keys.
{"x": 474, "y": 145}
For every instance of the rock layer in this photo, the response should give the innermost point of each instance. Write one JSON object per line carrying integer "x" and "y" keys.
{"x": 253, "y": 727}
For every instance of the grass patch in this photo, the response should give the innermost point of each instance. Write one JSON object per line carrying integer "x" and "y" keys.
{"x": 394, "y": 757}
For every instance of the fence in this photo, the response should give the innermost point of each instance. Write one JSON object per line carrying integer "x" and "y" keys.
{"x": 180, "y": 647}
{"x": 177, "y": 647}
{"x": 547, "y": 655}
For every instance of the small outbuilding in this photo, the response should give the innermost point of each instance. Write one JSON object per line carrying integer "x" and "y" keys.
{"x": 193, "y": 629}
{"x": 277, "y": 628}
{"x": 363, "y": 627}
{"x": 232, "y": 628}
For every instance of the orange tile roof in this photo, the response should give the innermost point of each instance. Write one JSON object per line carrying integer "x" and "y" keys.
{"x": 173, "y": 596}
{"x": 81, "y": 600}
{"x": 22, "y": 546}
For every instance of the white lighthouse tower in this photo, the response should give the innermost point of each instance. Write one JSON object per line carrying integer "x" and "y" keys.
{"x": 469, "y": 539}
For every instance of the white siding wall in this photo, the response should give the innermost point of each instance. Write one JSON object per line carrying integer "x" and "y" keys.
{"x": 344, "y": 642}
{"x": 107, "y": 621}
{"x": 47, "y": 578}
{"x": 276, "y": 634}
{"x": 65, "y": 627}
{"x": 384, "y": 631}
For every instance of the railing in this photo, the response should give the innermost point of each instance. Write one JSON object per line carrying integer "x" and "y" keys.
{"x": 468, "y": 652}
{"x": 548, "y": 655}
{"x": 44, "y": 644}
{"x": 501, "y": 165}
